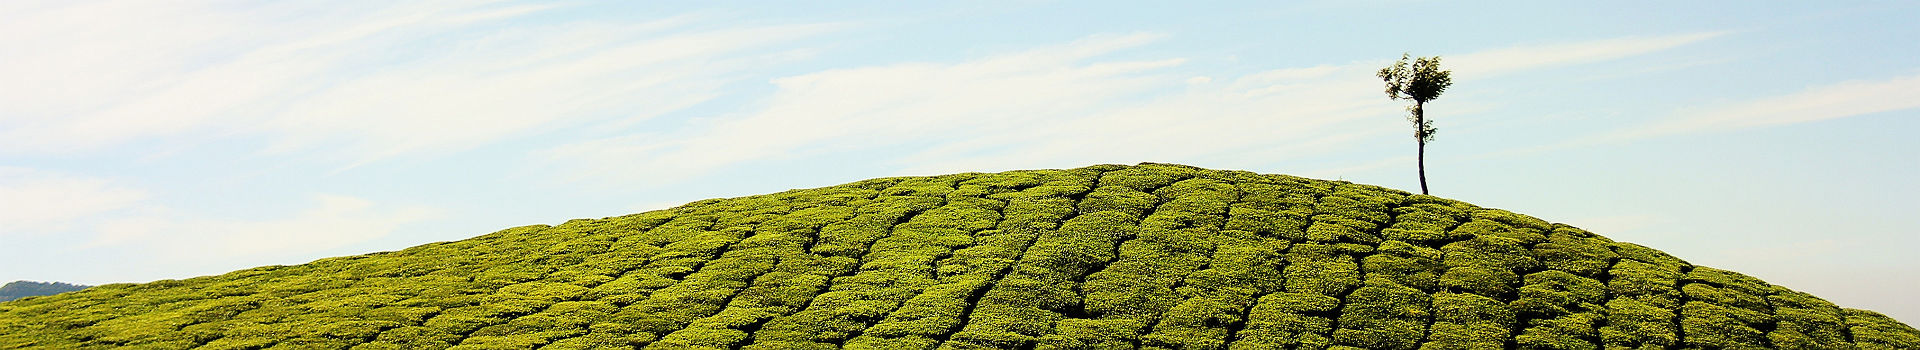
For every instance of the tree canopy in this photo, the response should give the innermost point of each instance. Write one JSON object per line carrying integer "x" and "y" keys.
{"x": 21, "y": 289}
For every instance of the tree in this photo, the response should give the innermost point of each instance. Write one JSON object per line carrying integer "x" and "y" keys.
{"x": 1420, "y": 81}
{"x": 22, "y": 289}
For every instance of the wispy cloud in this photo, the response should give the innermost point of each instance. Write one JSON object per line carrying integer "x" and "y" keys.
{"x": 1501, "y": 61}
{"x": 1061, "y": 105}
{"x": 36, "y": 201}
{"x": 858, "y": 108}
{"x": 334, "y": 221}
{"x": 361, "y": 83}
{"x": 486, "y": 95}
{"x": 1840, "y": 100}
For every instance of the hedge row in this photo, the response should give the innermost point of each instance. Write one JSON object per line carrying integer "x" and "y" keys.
{"x": 1152, "y": 256}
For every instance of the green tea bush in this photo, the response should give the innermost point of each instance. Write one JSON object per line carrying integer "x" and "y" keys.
{"x": 1080, "y": 333}
{"x": 1648, "y": 255}
{"x": 1319, "y": 269}
{"x": 1289, "y": 320}
{"x": 1511, "y": 219}
{"x": 1634, "y": 324}
{"x": 1155, "y": 256}
{"x": 1335, "y": 228}
{"x": 1288, "y": 225}
{"x": 934, "y": 313}
{"x": 1575, "y": 251}
{"x": 1480, "y": 280}
{"x": 1198, "y": 323}
{"x": 1872, "y": 330}
{"x": 1384, "y": 315}
{"x": 1469, "y": 321}
{"x": 1410, "y": 265}
{"x": 1648, "y": 283}
{"x": 1146, "y": 178}
{"x": 1195, "y": 203}
{"x": 1728, "y": 279}
{"x": 1565, "y": 332}
{"x": 1342, "y": 205}
{"x": 1277, "y": 197}
{"x": 1140, "y": 283}
{"x": 1425, "y": 223}
{"x": 1806, "y": 322}
{"x": 1709, "y": 325}
{"x": 1121, "y": 199}
{"x": 1484, "y": 227}
{"x": 1490, "y": 252}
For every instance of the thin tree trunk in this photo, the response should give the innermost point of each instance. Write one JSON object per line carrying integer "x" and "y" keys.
{"x": 1420, "y": 136}
{"x": 1423, "y": 166}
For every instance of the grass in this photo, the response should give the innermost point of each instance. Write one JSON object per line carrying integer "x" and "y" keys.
{"x": 1153, "y": 256}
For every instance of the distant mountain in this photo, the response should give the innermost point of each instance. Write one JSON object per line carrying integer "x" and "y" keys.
{"x": 1154, "y": 256}
{"x": 21, "y": 289}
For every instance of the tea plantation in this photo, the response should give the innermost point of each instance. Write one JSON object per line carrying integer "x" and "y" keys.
{"x": 1152, "y": 256}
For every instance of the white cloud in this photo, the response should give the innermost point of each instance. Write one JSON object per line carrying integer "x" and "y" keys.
{"x": 856, "y": 108}
{"x": 38, "y": 201}
{"x": 1501, "y": 61}
{"x": 1055, "y": 106}
{"x": 476, "y": 98}
{"x": 360, "y": 83}
{"x": 1841, "y": 100}
{"x": 335, "y": 221}
{"x": 63, "y": 59}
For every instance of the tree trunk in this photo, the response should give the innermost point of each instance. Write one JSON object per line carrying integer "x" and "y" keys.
{"x": 1420, "y": 137}
{"x": 1423, "y": 166}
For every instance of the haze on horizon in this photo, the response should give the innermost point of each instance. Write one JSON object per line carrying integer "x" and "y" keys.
{"x": 144, "y": 141}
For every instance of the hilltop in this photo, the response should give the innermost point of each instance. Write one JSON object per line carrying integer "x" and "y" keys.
{"x": 1102, "y": 257}
{"x": 21, "y": 289}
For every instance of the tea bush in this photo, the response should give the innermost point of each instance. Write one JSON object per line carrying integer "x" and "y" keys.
{"x": 1153, "y": 256}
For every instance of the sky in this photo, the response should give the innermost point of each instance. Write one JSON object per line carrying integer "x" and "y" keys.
{"x": 145, "y": 140}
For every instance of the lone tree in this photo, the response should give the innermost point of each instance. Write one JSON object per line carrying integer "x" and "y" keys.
{"x": 1421, "y": 81}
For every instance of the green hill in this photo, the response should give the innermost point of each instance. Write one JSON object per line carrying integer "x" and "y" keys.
{"x": 1102, "y": 257}
{"x": 21, "y": 289}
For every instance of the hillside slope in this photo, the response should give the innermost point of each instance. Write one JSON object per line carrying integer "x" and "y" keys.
{"x": 1103, "y": 257}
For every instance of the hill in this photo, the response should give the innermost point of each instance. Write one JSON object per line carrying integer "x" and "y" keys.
{"x": 1102, "y": 257}
{"x": 21, "y": 289}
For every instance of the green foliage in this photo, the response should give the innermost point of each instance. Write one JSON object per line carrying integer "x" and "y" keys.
{"x": 1871, "y": 330}
{"x": 1080, "y": 333}
{"x": 1632, "y": 323}
{"x": 1320, "y": 269}
{"x": 1155, "y": 256}
{"x": 1419, "y": 80}
{"x": 1572, "y": 250}
{"x": 1566, "y": 332}
{"x": 1384, "y": 315}
{"x": 1469, "y": 321}
{"x": 1289, "y": 320}
{"x": 1647, "y": 283}
{"x": 1805, "y": 321}
{"x": 1407, "y": 264}
{"x": 1709, "y": 325}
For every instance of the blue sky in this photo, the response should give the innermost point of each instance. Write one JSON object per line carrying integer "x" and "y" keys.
{"x": 147, "y": 140}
